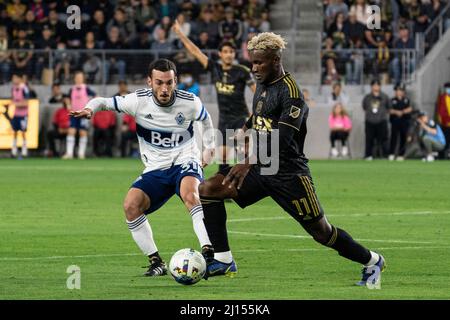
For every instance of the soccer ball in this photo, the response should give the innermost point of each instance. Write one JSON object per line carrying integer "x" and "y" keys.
{"x": 187, "y": 266}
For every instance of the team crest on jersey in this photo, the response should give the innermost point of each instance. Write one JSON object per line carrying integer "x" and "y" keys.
{"x": 259, "y": 106}
{"x": 295, "y": 112}
{"x": 180, "y": 118}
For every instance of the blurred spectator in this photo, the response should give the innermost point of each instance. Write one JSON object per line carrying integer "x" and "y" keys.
{"x": 206, "y": 24}
{"x": 244, "y": 50}
{"x": 165, "y": 24}
{"x": 57, "y": 95}
{"x": 443, "y": 115}
{"x": 16, "y": 10}
{"x": 380, "y": 39}
{"x": 308, "y": 99}
{"x": 142, "y": 42}
{"x": 431, "y": 139}
{"x": 63, "y": 60}
{"x": 98, "y": 27}
{"x": 337, "y": 95}
{"x": 30, "y": 26}
{"x": 79, "y": 95}
{"x": 19, "y": 97}
{"x": 104, "y": 123}
{"x": 332, "y": 10}
{"x": 162, "y": 44}
{"x": 105, "y": 6}
{"x": 264, "y": 25}
{"x": 340, "y": 126}
{"x": 188, "y": 83}
{"x": 166, "y": 8}
{"x": 400, "y": 116}
{"x": 401, "y": 59}
{"x": 5, "y": 61}
{"x": 22, "y": 55}
{"x": 40, "y": 11}
{"x": 336, "y": 32}
{"x": 190, "y": 9}
{"x": 204, "y": 41}
{"x": 91, "y": 64}
{"x": 126, "y": 27}
{"x": 353, "y": 30}
{"x": 56, "y": 26}
{"x": 354, "y": 65}
{"x": 423, "y": 19}
{"x": 47, "y": 43}
{"x": 60, "y": 123}
{"x": 252, "y": 13}
{"x": 376, "y": 106}
{"x": 114, "y": 61}
{"x": 128, "y": 136}
{"x": 329, "y": 61}
{"x": 146, "y": 16}
{"x": 231, "y": 29}
{"x": 359, "y": 8}
{"x": 185, "y": 28}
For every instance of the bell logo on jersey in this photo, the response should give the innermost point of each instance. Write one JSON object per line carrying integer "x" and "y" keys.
{"x": 166, "y": 139}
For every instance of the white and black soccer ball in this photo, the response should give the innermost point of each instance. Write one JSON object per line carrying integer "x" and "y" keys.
{"x": 187, "y": 266}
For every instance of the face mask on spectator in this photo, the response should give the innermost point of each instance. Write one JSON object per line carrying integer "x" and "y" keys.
{"x": 448, "y": 91}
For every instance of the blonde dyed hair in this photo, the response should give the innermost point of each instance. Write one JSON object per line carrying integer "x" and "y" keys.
{"x": 267, "y": 41}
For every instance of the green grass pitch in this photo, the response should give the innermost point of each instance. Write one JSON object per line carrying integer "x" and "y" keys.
{"x": 54, "y": 214}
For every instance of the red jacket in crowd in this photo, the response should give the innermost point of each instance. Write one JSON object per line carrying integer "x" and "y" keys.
{"x": 444, "y": 110}
{"x": 130, "y": 122}
{"x": 61, "y": 118}
{"x": 104, "y": 120}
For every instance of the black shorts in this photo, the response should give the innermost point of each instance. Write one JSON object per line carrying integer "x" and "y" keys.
{"x": 294, "y": 193}
{"x": 229, "y": 123}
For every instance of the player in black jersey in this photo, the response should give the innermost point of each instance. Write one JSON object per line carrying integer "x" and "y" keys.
{"x": 277, "y": 104}
{"x": 230, "y": 80}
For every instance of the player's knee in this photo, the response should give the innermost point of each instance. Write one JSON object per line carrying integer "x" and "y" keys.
{"x": 213, "y": 188}
{"x": 132, "y": 210}
{"x": 191, "y": 199}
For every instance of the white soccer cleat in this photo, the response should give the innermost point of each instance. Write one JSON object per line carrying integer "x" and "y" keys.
{"x": 430, "y": 158}
{"x": 400, "y": 159}
{"x": 391, "y": 157}
{"x": 67, "y": 157}
{"x": 334, "y": 152}
{"x": 344, "y": 151}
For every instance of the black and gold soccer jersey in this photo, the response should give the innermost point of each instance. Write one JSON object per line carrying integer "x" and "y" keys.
{"x": 230, "y": 86}
{"x": 280, "y": 105}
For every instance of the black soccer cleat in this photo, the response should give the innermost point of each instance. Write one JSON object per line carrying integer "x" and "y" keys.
{"x": 157, "y": 268}
{"x": 208, "y": 253}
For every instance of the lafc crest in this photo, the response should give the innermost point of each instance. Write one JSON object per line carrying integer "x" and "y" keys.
{"x": 294, "y": 112}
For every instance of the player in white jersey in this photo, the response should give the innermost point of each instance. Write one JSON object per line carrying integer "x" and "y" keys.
{"x": 164, "y": 120}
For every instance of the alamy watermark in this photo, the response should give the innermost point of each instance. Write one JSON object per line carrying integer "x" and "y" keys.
{"x": 74, "y": 18}
{"x": 374, "y": 20}
{"x": 74, "y": 279}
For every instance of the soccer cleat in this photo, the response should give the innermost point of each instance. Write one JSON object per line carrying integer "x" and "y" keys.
{"x": 67, "y": 157}
{"x": 217, "y": 268}
{"x": 157, "y": 268}
{"x": 367, "y": 272}
{"x": 208, "y": 253}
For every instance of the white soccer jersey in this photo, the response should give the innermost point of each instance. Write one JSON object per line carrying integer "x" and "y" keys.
{"x": 165, "y": 133}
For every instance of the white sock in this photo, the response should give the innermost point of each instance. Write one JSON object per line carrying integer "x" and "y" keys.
{"x": 82, "y": 147}
{"x": 24, "y": 148}
{"x": 70, "y": 144}
{"x": 224, "y": 257}
{"x": 143, "y": 235}
{"x": 199, "y": 225}
{"x": 14, "y": 147}
{"x": 374, "y": 259}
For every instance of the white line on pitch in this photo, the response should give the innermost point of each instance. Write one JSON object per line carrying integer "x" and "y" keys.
{"x": 309, "y": 237}
{"x": 404, "y": 213}
{"x": 5, "y": 259}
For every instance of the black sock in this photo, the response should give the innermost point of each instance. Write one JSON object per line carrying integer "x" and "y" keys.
{"x": 216, "y": 223}
{"x": 344, "y": 244}
{"x": 154, "y": 256}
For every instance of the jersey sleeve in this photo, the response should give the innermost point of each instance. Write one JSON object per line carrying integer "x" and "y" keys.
{"x": 127, "y": 104}
{"x": 200, "y": 112}
{"x": 293, "y": 108}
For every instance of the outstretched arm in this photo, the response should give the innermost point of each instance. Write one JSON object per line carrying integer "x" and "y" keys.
{"x": 126, "y": 104}
{"x": 189, "y": 45}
